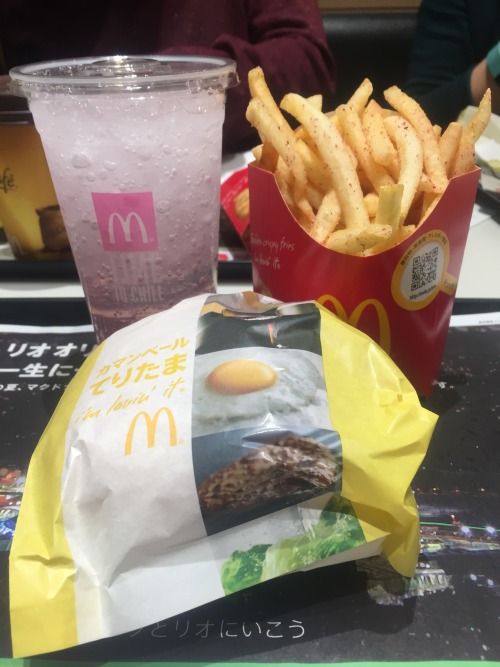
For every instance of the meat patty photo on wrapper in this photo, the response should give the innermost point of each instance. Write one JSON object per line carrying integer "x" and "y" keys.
{"x": 287, "y": 469}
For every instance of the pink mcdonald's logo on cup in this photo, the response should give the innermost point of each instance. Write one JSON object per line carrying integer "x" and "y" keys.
{"x": 126, "y": 221}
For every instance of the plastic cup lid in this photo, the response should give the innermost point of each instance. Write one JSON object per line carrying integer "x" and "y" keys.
{"x": 118, "y": 74}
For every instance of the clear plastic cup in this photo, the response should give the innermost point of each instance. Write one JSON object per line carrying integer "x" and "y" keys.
{"x": 134, "y": 146}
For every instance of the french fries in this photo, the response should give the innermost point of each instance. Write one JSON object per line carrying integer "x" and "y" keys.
{"x": 465, "y": 156}
{"x": 410, "y": 159}
{"x": 360, "y": 178}
{"x": 329, "y": 142}
{"x": 380, "y": 145}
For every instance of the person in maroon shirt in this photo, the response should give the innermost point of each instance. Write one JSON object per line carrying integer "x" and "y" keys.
{"x": 285, "y": 37}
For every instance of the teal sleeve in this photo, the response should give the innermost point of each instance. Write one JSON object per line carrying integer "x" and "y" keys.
{"x": 451, "y": 37}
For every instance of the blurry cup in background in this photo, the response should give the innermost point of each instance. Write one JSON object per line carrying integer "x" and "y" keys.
{"x": 134, "y": 145}
{"x": 29, "y": 210}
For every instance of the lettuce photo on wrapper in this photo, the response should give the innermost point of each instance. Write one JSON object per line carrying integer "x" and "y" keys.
{"x": 337, "y": 530}
{"x": 243, "y": 569}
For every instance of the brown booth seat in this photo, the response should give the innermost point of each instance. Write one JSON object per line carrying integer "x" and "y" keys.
{"x": 367, "y": 44}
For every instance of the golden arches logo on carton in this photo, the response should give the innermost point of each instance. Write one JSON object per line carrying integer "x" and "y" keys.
{"x": 353, "y": 319}
{"x": 151, "y": 428}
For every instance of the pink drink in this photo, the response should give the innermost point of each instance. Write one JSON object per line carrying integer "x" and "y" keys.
{"x": 137, "y": 175}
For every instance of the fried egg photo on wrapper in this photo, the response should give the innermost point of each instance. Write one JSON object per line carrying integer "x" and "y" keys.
{"x": 251, "y": 386}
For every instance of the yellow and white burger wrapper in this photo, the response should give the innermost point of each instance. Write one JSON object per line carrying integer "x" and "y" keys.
{"x": 205, "y": 449}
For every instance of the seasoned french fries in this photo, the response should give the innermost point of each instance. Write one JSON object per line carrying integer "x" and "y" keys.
{"x": 329, "y": 143}
{"x": 353, "y": 134}
{"x": 448, "y": 144}
{"x": 465, "y": 157}
{"x": 410, "y": 158}
{"x": 361, "y": 178}
{"x": 415, "y": 115}
{"x": 378, "y": 140}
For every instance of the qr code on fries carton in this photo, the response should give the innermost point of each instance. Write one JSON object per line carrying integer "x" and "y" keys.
{"x": 365, "y": 210}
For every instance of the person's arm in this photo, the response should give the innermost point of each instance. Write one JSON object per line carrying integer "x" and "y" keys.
{"x": 287, "y": 40}
{"x": 442, "y": 60}
{"x": 486, "y": 74}
{"x": 447, "y": 71}
{"x": 290, "y": 46}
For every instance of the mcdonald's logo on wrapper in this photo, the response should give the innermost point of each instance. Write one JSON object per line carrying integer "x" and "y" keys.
{"x": 151, "y": 428}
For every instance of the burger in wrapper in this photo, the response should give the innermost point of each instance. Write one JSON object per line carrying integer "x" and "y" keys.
{"x": 205, "y": 449}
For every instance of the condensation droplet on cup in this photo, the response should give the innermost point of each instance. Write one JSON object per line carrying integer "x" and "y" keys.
{"x": 110, "y": 166}
{"x": 143, "y": 154}
{"x": 91, "y": 177}
{"x": 163, "y": 206}
{"x": 80, "y": 161}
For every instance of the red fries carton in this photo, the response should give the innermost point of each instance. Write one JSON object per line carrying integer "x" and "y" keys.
{"x": 402, "y": 298}
{"x": 234, "y": 199}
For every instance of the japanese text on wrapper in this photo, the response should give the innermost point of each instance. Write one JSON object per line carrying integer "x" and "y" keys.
{"x": 130, "y": 381}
